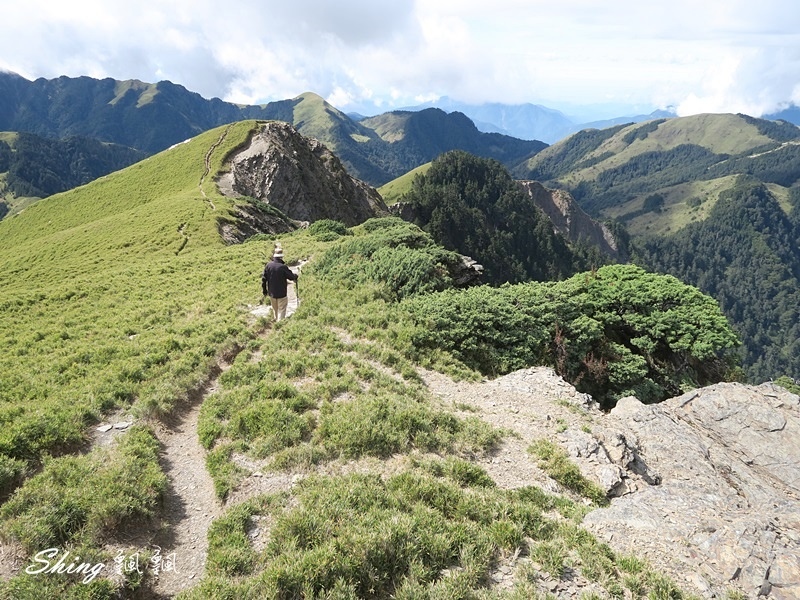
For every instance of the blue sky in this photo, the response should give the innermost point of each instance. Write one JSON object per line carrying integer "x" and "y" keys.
{"x": 371, "y": 56}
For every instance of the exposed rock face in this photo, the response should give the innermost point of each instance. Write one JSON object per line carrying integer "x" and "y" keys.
{"x": 705, "y": 486}
{"x": 300, "y": 177}
{"x": 570, "y": 220}
{"x": 708, "y": 486}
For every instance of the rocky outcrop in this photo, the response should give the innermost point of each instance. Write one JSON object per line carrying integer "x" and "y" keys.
{"x": 300, "y": 177}
{"x": 707, "y": 486}
{"x": 570, "y": 220}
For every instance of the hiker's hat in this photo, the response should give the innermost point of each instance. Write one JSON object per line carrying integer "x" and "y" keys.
{"x": 278, "y": 253}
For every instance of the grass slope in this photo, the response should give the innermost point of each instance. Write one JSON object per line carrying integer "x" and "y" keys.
{"x": 395, "y": 189}
{"x": 116, "y": 296}
{"x": 688, "y": 161}
{"x": 120, "y": 296}
{"x": 389, "y": 126}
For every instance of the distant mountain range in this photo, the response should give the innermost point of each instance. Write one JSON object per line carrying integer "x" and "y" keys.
{"x": 536, "y": 122}
{"x": 530, "y": 121}
{"x": 152, "y": 117}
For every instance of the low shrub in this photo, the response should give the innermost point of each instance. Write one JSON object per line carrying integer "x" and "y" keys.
{"x": 327, "y": 230}
{"x": 393, "y": 253}
{"x": 618, "y": 331}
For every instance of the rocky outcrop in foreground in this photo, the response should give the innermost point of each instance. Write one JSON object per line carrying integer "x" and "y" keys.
{"x": 300, "y": 177}
{"x": 707, "y": 485}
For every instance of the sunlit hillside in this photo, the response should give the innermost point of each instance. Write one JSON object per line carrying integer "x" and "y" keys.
{"x": 121, "y": 305}
{"x": 680, "y": 164}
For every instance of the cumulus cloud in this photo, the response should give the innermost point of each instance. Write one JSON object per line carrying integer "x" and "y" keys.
{"x": 720, "y": 55}
{"x": 756, "y": 82}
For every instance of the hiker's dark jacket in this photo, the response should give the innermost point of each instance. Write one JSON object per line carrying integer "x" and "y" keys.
{"x": 274, "y": 278}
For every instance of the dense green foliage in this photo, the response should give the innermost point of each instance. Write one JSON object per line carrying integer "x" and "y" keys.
{"x": 327, "y": 230}
{"x": 745, "y": 254}
{"x": 780, "y": 131}
{"x": 612, "y": 333}
{"x": 711, "y": 199}
{"x": 473, "y": 206}
{"x": 40, "y": 167}
{"x": 393, "y": 252}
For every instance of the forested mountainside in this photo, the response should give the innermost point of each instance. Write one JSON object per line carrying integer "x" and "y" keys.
{"x": 33, "y": 167}
{"x": 472, "y": 205}
{"x": 746, "y": 255}
{"x": 620, "y": 166}
{"x": 712, "y": 199}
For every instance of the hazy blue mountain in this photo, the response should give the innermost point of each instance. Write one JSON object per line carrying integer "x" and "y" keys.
{"x": 530, "y": 121}
{"x": 791, "y": 114}
{"x": 525, "y": 121}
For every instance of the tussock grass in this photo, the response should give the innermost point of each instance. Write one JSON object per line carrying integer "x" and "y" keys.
{"x": 77, "y": 500}
{"x": 435, "y": 530}
{"x": 555, "y": 462}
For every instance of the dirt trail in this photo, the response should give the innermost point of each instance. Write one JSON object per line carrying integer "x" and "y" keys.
{"x": 529, "y": 404}
{"x": 207, "y": 164}
{"x": 191, "y": 505}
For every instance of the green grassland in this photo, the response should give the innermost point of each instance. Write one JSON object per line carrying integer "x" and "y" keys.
{"x": 389, "y": 126}
{"x": 720, "y": 133}
{"x": 688, "y": 161}
{"x": 395, "y": 189}
{"x": 147, "y": 91}
{"x": 121, "y": 296}
{"x": 683, "y": 204}
{"x": 317, "y": 119}
{"x": 115, "y": 296}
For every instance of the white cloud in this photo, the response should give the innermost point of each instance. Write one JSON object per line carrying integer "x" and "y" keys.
{"x": 720, "y": 55}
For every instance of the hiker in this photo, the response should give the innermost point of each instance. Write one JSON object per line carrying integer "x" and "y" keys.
{"x": 274, "y": 281}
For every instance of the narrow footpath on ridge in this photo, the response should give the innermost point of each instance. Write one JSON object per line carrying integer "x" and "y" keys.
{"x": 190, "y": 503}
